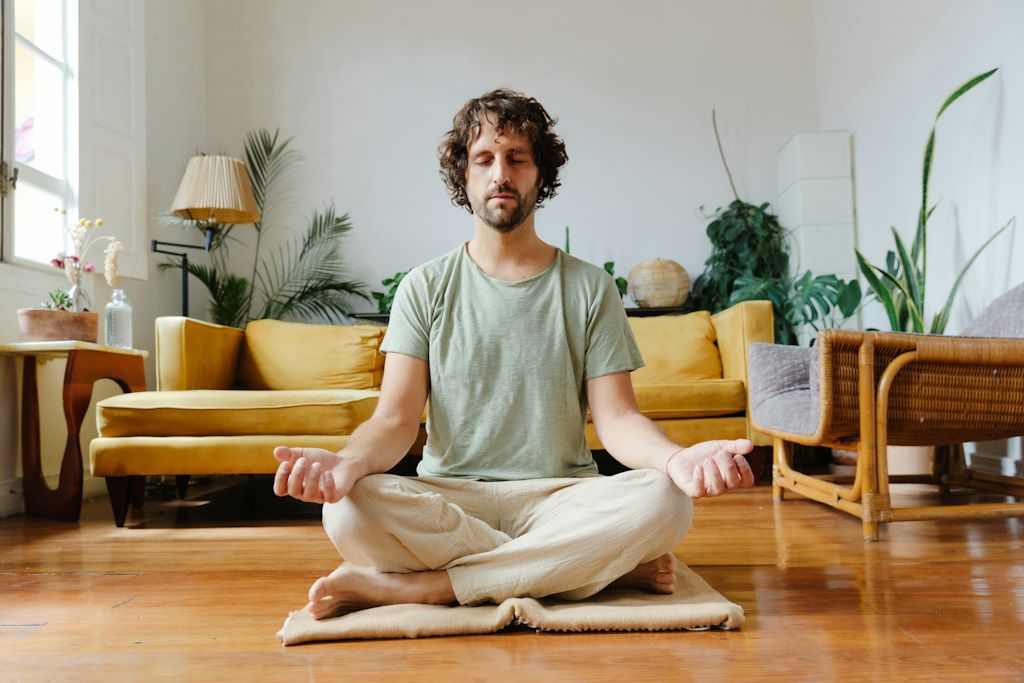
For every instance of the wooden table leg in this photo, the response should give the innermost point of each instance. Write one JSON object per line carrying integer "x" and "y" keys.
{"x": 84, "y": 368}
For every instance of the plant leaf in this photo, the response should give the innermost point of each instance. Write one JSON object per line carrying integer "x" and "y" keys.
{"x": 942, "y": 318}
{"x": 880, "y": 291}
{"x": 915, "y": 314}
{"x": 911, "y": 278}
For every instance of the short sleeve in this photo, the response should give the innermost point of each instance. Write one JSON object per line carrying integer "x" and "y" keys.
{"x": 409, "y": 324}
{"x": 611, "y": 346}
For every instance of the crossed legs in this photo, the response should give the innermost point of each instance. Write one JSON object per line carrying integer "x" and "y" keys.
{"x": 445, "y": 541}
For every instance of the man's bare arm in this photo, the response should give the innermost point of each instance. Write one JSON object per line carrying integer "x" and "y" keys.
{"x": 377, "y": 445}
{"x": 707, "y": 468}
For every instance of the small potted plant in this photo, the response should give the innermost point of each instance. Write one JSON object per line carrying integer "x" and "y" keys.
{"x": 65, "y": 315}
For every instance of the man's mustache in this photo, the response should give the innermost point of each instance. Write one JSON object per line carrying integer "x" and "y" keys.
{"x": 503, "y": 189}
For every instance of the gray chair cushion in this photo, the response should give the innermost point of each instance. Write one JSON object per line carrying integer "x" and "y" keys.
{"x": 782, "y": 395}
{"x": 1004, "y": 317}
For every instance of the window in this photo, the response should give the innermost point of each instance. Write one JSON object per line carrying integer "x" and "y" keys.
{"x": 39, "y": 114}
{"x": 74, "y": 128}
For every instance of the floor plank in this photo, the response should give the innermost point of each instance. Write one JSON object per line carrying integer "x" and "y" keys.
{"x": 198, "y": 589}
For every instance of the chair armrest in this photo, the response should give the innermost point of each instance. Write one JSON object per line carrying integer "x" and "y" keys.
{"x": 192, "y": 354}
{"x": 961, "y": 350}
{"x": 736, "y": 328}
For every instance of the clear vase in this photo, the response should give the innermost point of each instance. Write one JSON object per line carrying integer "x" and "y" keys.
{"x": 79, "y": 299}
{"x": 117, "y": 320}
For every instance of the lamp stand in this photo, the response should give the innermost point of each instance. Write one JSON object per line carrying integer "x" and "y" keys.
{"x": 155, "y": 248}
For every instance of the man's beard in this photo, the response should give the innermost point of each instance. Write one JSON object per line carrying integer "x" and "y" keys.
{"x": 505, "y": 220}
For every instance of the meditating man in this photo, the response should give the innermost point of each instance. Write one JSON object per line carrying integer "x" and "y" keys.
{"x": 512, "y": 339}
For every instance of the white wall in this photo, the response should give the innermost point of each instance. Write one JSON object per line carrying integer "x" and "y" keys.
{"x": 368, "y": 89}
{"x": 883, "y": 70}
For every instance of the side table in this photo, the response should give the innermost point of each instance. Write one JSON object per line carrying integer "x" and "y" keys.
{"x": 86, "y": 363}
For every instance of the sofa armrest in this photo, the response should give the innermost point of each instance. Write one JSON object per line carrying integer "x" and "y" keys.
{"x": 192, "y": 354}
{"x": 736, "y": 328}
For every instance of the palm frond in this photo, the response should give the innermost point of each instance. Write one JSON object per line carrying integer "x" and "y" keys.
{"x": 268, "y": 162}
{"x": 307, "y": 276}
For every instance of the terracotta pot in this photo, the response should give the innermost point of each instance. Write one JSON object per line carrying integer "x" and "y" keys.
{"x": 41, "y": 324}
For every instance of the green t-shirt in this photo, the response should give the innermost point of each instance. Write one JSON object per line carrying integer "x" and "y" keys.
{"x": 508, "y": 362}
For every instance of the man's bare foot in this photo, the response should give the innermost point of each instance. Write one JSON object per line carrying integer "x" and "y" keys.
{"x": 656, "y": 576}
{"x": 348, "y": 589}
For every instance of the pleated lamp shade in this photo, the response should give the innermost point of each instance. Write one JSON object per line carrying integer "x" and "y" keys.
{"x": 216, "y": 189}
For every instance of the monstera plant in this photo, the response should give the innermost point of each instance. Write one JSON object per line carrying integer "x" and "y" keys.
{"x": 750, "y": 260}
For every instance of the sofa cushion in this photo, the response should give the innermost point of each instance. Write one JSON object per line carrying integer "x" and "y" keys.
{"x": 691, "y": 399}
{"x": 234, "y": 413}
{"x": 284, "y": 355}
{"x": 676, "y": 348}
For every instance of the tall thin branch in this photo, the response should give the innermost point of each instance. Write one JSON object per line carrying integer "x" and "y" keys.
{"x": 714, "y": 122}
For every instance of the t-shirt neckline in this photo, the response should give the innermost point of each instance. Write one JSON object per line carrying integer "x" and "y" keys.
{"x": 512, "y": 283}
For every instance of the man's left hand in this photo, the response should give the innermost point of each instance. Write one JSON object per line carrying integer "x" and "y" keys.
{"x": 711, "y": 468}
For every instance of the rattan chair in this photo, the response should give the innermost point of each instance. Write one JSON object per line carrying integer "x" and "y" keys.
{"x": 866, "y": 390}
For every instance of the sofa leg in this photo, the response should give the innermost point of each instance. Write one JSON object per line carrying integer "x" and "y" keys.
{"x": 181, "y": 482}
{"x": 117, "y": 487}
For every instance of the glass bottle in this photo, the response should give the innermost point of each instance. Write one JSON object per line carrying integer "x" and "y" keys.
{"x": 117, "y": 320}
{"x": 79, "y": 299}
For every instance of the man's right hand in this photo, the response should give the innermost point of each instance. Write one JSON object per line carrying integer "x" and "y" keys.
{"x": 313, "y": 475}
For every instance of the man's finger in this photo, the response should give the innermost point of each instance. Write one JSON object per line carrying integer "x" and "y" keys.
{"x": 311, "y": 486}
{"x": 713, "y": 483}
{"x": 740, "y": 446}
{"x": 727, "y": 466}
{"x": 746, "y": 474}
{"x": 286, "y": 454}
{"x": 297, "y": 478}
{"x": 281, "y": 478}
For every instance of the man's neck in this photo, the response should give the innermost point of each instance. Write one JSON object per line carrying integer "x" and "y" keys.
{"x": 515, "y": 255}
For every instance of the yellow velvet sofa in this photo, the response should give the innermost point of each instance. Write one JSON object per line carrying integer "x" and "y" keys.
{"x": 225, "y": 397}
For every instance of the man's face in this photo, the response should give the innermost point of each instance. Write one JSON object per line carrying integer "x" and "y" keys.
{"x": 501, "y": 180}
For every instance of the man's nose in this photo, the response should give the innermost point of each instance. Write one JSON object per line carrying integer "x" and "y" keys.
{"x": 500, "y": 172}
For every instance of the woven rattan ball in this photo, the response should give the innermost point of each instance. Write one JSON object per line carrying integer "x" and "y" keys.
{"x": 658, "y": 283}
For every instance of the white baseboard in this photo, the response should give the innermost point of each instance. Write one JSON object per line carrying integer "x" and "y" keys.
{"x": 11, "y": 500}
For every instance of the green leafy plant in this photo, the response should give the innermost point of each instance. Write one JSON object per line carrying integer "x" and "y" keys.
{"x": 609, "y": 267}
{"x": 59, "y": 299}
{"x": 303, "y": 278}
{"x": 746, "y": 241}
{"x": 386, "y": 298}
{"x": 900, "y": 286}
{"x": 819, "y": 302}
{"x": 620, "y": 282}
{"x": 750, "y": 261}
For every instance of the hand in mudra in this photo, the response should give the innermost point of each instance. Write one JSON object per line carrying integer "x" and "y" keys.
{"x": 314, "y": 475}
{"x": 711, "y": 468}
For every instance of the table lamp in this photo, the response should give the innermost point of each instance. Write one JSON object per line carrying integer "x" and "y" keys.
{"x": 214, "y": 191}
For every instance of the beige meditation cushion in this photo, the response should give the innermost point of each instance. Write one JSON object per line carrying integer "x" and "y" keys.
{"x": 286, "y": 355}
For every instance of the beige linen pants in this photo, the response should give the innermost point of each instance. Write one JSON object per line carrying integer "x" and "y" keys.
{"x": 566, "y": 538}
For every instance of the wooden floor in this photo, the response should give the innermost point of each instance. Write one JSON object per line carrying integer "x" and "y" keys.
{"x": 197, "y": 591}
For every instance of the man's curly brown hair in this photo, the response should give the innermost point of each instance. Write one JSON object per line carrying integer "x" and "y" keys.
{"x": 512, "y": 111}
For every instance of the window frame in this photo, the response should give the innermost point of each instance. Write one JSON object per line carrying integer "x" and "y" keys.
{"x": 20, "y": 273}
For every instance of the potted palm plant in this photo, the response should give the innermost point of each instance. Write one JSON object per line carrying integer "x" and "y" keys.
{"x": 304, "y": 277}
